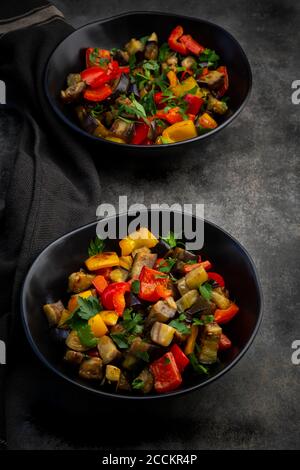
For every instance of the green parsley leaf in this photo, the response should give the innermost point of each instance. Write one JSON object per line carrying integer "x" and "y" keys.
{"x": 120, "y": 340}
{"x": 137, "y": 384}
{"x": 135, "y": 286}
{"x": 132, "y": 61}
{"x": 163, "y": 53}
{"x": 166, "y": 268}
{"x": 170, "y": 239}
{"x": 191, "y": 261}
{"x": 88, "y": 307}
{"x": 97, "y": 111}
{"x": 96, "y": 247}
{"x": 209, "y": 56}
{"x": 132, "y": 322}
{"x": 86, "y": 336}
{"x": 206, "y": 290}
{"x": 204, "y": 320}
{"x": 166, "y": 361}
{"x": 144, "y": 39}
{"x": 199, "y": 368}
{"x": 149, "y": 103}
{"x": 144, "y": 355}
{"x": 180, "y": 326}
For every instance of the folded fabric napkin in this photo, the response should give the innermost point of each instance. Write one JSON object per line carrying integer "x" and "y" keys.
{"x": 48, "y": 187}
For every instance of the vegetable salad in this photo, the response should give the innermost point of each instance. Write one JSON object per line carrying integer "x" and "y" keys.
{"x": 147, "y": 93}
{"x": 144, "y": 319}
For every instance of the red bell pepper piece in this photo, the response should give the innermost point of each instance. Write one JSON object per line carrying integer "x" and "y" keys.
{"x": 191, "y": 45}
{"x": 153, "y": 285}
{"x": 113, "y": 297}
{"x": 189, "y": 267}
{"x": 166, "y": 374}
{"x": 172, "y": 116}
{"x": 174, "y": 43}
{"x": 97, "y": 94}
{"x": 140, "y": 133}
{"x": 100, "y": 283}
{"x": 92, "y": 75}
{"x": 180, "y": 358}
{"x": 147, "y": 142}
{"x": 217, "y": 278}
{"x": 224, "y": 343}
{"x": 222, "y": 90}
{"x": 224, "y": 316}
{"x": 194, "y": 103}
{"x": 93, "y": 56}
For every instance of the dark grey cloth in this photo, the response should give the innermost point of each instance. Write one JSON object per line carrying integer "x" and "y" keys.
{"x": 48, "y": 187}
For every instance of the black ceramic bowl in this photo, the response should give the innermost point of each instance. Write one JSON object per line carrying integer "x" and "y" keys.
{"x": 116, "y": 31}
{"x": 46, "y": 282}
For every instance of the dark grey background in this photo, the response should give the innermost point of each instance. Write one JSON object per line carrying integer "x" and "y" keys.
{"x": 248, "y": 179}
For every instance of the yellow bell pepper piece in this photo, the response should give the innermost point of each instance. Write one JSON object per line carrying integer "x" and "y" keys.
{"x": 190, "y": 344}
{"x": 110, "y": 317}
{"x": 185, "y": 86}
{"x": 180, "y": 131}
{"x": 116, "y": 139}
{"x": 137, "y": 239}
{"x": 107, "y": 259}
{"x": 73, "y": 303}
{"x": 97, "y": 325}
{"x": 172, "y": 78}
{"x": 126, "y": 262}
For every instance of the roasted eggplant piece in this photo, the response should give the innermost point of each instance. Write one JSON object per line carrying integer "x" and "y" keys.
{"x": 121, "y": 56}
{"x": 132, "y": 301}
{"x": 134, "y": 46}
{"x": 112, "y": 373}
{"x": 161, "y": 248}
{"x": 107, "y": 349}
{"x": 53, "y": 312}
{"x": 121, "y": 85}
{"x": 189, "y": 62}
{"x": 213, "y": 79}
{"x": 123, "y": 383}
{"x": 122, "y": 129}
{"x": 73, "y": 79}
{"x": 216, "y": 106}
{"x": 73, "y": 342}
{"x": 72, "y": 93}
{"x": 133, "y": 88}
{"x": 91, "y": 369}
{"x": 201, "y": 305}
{"x": 151, "y": 48}
{"x": 162, "y": 311}
{"x": 74, "y": 357}
{"x": 146, "y": 380}
{"x": 210, "y": 343}
{"x": 80, "y": 281}
{"x": 187, "y": 300}
{"x": 182, "y": 286}
{"x": 184, "y": 255}
{"x": 162, "y": 334}
{"x": 220, "y": 300}
{"x": 196, "y": 277}
{"x": 88, "y": 122}
{"x": 142, "y": 259}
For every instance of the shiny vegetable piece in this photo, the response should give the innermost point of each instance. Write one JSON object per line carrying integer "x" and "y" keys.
{"x": 191, "y": 44}
{"x": 162, "y": 311}
{"x": 113, "y": 297}
{"x": 185, "y": 86}
{"x": 174, "y": 43}
{"x": 224, "y": 316}
{"x": 110, "y": 317}
{"x": 97, "y": 94}
{"x": 115, "y": 139}
{"x": 126, "y": 262}
{"x": 100, "y": 283}
{"x": 225, "y": 343}
{"x": 123, "y": 383}
{"x": 182, "y": 286}
{"x": 98, "y": 326}
{"x": 162, "y": 334}
{"x": 107, "y": 349}
{"x": 153, "y": 285}
{"x": 64, "y": 318}
{"x": 216, "y": 106}
{"x": 102, "y": 260}
{"x": 72, "y": 93}
{"x": 222, "y": 90}
{"x": 73, "y": 342}
{"x": 187, "y": 300}
{"x": 180, "y": 131}
{"x": 140, "y": 260}
{"x": 220, "y": 300}
{"x": 180, "y": 358}
{"x": 191, "y": 341}
{"x": 80, "y": 281}
{"x": 166, "y": 374}
{"x": 207, "y": 122}
{"x": 196, "y": 277}
{"x": 118, "y": 275}
{"x": 112, "y": 373}
{"x": 73, "y": 357}
{"x": 91, "y": 369}
{"x": 210, "y": 340}
{"x": 137, "y": 239}
{"x": 147, "y": 380}
{"x": 73, "y": 302}
{"x": 53, "y": 312}
{"x": 213, "y": 79}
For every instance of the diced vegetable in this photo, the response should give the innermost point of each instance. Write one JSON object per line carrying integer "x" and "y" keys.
{"x": 74, "y": 357}
{"x": 187, "y": 300}
{"x": 107, "y": 349}
{"x": 112, "y": 373}
{"x": 118, "y": 275}
{"x": 73, "y": 342}
{"x": 126, "y": 262}
{"x": 191, "y": 341}
{"x": 162, "y": 334}
{"x": 100, "y": 283}
{"x": 180, "y": 131}
{"x": 80, "y": 281}
{"x": 182, "y": 286}
{"x": 180, "y": 358}
{"x": 153, "y": 285}
{"x": 113, "y": 297}
{"x": 98, "y": 326}
{"x": 137, "y": 239}
{"x": 144, "y": 381}
{"x": 210, "y": 340}
{"x": 224, "y": 316}
{"x": 185, "y": 86}
{"x": 54, "y": 312}
{"x": 110, "y": 317}
{"x": 140, "y": 260}
{"x": 220, "y": 300}
{"x": 91, "y": 369}
{"x": 73, "y": 302}
{"x": 166, "y": 374}
{"x": 224, "y": 343}
{"x": 102, "y": 260}
{"x": 196, "y": 277}
{"x": 163, "y": 310}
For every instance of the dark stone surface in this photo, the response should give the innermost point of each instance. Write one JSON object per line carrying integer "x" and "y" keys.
{"x": 248, "y": 179}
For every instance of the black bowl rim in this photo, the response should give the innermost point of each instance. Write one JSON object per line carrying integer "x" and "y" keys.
{"x": 156, "y": 147}
{"x": 100, "y": 392}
